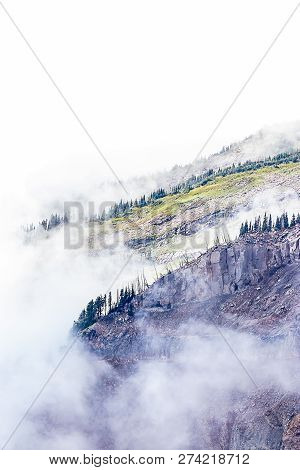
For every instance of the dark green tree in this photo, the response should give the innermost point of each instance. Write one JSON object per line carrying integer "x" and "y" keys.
{"x": 98, "y": 306}
{"x": 90, "y": 313}
{"x": 285, "y": 220}
{"x": 264, "y": 226}
{"x": 278, "y": 223}
{"x": 270, "y": 224}
{"x": 109, "y": 302}
{"x": 293, "y": 221}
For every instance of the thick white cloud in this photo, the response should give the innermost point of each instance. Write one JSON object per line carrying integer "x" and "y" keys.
{"x": 149, "y": 80}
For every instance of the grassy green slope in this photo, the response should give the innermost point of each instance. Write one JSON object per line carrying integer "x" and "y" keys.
{"x": 157, "y": 226}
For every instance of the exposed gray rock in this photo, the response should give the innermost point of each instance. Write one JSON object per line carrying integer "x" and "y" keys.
{"x": 251, "y": 285}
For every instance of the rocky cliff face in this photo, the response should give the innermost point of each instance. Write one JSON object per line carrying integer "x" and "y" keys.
{"x": 251, "y": 285}
{"x": 225, "y": 270}
{"x": 240, "y": 285}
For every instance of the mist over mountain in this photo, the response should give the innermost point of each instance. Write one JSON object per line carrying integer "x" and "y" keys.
{"x": 83, "y": 181}
{"x": 191, "y": 339}
{"x": 268, "y": 141}
{"x": 210, "y": 340}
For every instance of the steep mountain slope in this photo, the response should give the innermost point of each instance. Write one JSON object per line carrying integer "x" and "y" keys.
{"x": 190, "y": 221}
{"x": 270, "y": 140}
{"x": 250, "y": 286}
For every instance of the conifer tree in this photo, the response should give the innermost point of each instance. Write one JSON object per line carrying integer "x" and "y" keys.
{"x": 293, "y": 221}
{"x": 109, "y": 302}
{"x": 259, "y": 224}
{"x": 278, "y": 223}
{"x": 270, "y": 224}
{"x": 285, "y": 220}
{"x": 98, "y": 306}
{"x": 82, "y": 317}
{"x": 264, "y": 226}
{"x": 90, "y": 313}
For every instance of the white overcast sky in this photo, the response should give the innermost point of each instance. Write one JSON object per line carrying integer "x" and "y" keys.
{"x": 149, "y": 79}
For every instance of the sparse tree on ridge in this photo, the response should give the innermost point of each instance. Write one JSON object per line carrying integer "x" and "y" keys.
{"x": 282, "y": 222}
{"x": 293, "y": 221}
{"x": 278, "y": 223}
{"x": 270, "y": 224}
{"x": 264, "y": 226}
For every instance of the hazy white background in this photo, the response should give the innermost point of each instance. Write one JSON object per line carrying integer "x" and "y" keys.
{"x": 149, "y": 79}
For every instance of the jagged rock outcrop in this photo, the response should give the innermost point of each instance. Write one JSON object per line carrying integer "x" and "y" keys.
{"x": 226, "y": 269}
{"x": 251, "y": 285}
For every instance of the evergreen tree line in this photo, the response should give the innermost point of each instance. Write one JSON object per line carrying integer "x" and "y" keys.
{"x": 266, "y": 224}
{"x": 28, "y": 228}
{"x": 123, "y": 208}
{"x": 54, "y": 221}
{"x": 48, "y": 224}
{"x": 104, "y": 305}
